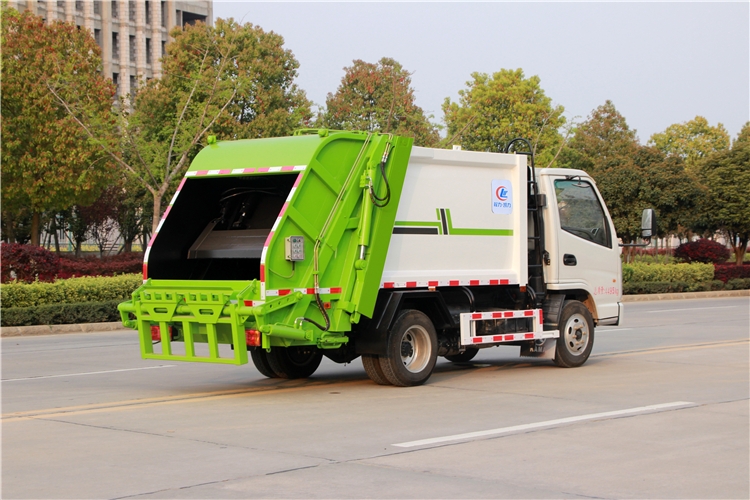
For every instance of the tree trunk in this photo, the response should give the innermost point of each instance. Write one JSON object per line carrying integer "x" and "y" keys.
{"x": 157, "y": 212}
{"x": 740, "y": 247}
{"x": 54, "y": 233}
{"x": 127, "y": 245}
{"x": 35, "y": 229}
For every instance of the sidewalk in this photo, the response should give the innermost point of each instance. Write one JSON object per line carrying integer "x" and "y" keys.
{"x": 24, "y": 331}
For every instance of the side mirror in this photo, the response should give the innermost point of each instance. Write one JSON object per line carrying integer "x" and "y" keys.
{"x": 648, "y": 224}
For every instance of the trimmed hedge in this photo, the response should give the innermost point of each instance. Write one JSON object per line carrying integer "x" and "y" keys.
{"x": 738, "y": 284}
{"x": 726, "y": 272}
{"x": 643, "y": 287}
{"x": 70, "y": 291}
{"x": 667, "y": 273}
{"x": 61, "y": 314}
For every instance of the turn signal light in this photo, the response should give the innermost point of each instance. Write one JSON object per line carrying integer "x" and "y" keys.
{"x": 253, "y": 338}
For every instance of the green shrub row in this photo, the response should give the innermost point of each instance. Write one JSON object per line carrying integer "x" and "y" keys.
{"x": 61, "y": 314}
{"x": 69, "y": 291}
{"x": 645, "y": 287}
{"x": 640, "y": 272}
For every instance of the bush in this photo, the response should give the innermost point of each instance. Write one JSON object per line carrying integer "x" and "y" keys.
{"x": 86, "y": 289}
{"x": 125, "y": 263}
{"x": 708, "y": 286}
{"x": 27, "y": 263}
{"x": 687, "y": 273}
{"x": 702, "y": 250}
{"x": 725, "y": 272}
{"x": 738, "y": 284}
{"x": 643, "y": 287}
{"x": 61, "y": 314}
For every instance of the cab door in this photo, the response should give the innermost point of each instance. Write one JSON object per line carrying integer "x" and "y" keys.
{"x": 586, "y": 255}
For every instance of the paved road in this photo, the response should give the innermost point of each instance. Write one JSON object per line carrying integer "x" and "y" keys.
{"x": 659, "y": 411}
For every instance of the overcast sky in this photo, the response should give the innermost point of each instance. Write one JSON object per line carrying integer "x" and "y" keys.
{"x": 660, "y": 63}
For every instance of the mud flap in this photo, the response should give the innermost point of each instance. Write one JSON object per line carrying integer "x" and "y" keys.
{"x": 542, "y": 348}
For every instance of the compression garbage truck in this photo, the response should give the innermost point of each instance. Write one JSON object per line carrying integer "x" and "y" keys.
{"x": 355, "y": 244}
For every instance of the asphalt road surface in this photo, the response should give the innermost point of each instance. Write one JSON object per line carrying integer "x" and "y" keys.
{"x": 660, "y": 410}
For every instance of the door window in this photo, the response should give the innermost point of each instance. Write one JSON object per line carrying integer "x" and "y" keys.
{"x": 581, "y": 214}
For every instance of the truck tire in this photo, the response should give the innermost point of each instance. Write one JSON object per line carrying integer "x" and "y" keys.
{"x": 260, "y": 360}
{"x": 576, "y": 335}
{"x": 411, "y": 350}
{"x": 371, "y": 362}
{"x": 294, "y": 362}
{"x": 463, "y": 357}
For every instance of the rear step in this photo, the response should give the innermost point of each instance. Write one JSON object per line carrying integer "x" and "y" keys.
{"x": 500, "y": 330}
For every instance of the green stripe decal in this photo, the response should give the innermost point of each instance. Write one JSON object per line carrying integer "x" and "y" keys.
{"x": 458, "y": 231}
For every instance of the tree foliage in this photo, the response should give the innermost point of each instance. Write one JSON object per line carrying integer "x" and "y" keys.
{"x": 692, "y": 140}
{"x": 232, "y": 80}
{"x": 48, "y": 161}
{"x": 494, "y": 109}
{"x": 378, "y": 97}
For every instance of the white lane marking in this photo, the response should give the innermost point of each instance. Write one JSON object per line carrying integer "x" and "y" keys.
{"x": 546, "y": 423}
{"x": 86, "y": 373}
{"x": 691, "y": 309}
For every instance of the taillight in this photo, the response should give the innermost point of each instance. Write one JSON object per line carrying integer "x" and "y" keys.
{"x": 156, "y": 333}
{"x": 252, "y": 337}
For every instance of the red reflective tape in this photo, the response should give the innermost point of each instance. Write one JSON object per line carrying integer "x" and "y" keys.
{"x": 151, "y": 241}
{"x": 284, "y": 292}
{"x": 388, "y": 285}
{"x": 497, "y": 315}
{"x": 299, "y": 179}
{"x": 268, "y": 240}
{"x": 476, "y": 316}
{"x": 166, "y": 212}
{"x": 504, "y": 282}
{"x": 411, "y": 284}
{"x": 283, "y": 209}
{"x": 202, "y": 172}
{"x": 541, "y": 320}
{"x": 248, "y": 303}
{"x": 508, "y": 314}
{"x": 528, "y": 313}
{"x": 289, "y": 168}
{"x": 262, "y": 272}
{"x": 336, "y": 289}
{"x": 224, "y": 172}
{"x": 179, "y": 188}
{"x": 433, "y": 283}
{"x": 510, "y": 337}
{"x": 248, "y": 170}
{"x": 494, "y": 282}
{"x": 454, "y": 283}
{"x": 310, "y": 291}
{"x": 263, "y": 170}
{"x": 473, "y": 282}
{"x": 528, "y": 335}
{"x": 497, "y": 338}
{"x": 145, "y": 271}
{"x": 477, "y": 340}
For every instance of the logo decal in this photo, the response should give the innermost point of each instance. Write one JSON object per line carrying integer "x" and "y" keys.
{"x": 502, "y": 196}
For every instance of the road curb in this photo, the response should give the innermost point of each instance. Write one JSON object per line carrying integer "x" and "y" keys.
{"x": 27, "y": 331}
{"x": 685, "y": 295}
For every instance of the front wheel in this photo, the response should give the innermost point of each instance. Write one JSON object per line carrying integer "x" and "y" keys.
{"x": 576, "y": 335}
{"x": 411, "y": 350}
{"x": 294, "y": 362}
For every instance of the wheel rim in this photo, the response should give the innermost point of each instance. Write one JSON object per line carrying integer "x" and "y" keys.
{"x": 576, "y": 334}
{"x": 415, "y": 349}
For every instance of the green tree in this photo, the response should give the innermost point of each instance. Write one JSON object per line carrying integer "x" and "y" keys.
{"x": 692, "y": 140}
{"x": 494, "y": 109}
{"x": 233, "y": 80}
{"x": 49, "y": 164}
{"x": 378, "y": 97}
{"x": 726, "y": 175}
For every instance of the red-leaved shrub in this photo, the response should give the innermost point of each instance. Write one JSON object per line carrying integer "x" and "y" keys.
{"x": 27, "y": 263}
{"x": 728, "y": 271}
{"x": 702, "y": 250}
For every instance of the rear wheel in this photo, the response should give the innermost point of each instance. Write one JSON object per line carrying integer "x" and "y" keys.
{"x": 294, "y": 362}
{"x": 260, "y": 360}
{"x": 411, "y": 350}
{"x": 371, "y": 362}
{"x": 463, "y": 357}
{"x": 576, "y": 335}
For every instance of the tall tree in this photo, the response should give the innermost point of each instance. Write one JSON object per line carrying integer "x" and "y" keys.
{"x": 48, "y": 162}
{"x": 233, "y": 80}
{"x": 378, "y": 97}
{"x": 726, "y": 175}
{"x": 692, "y": 140}
{"x": 494, "y": 109}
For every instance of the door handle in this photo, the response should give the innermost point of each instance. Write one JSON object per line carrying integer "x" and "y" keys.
{"x": 569, "y": 260}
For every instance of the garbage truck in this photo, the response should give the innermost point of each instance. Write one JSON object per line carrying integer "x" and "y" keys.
{"x": 356, "y": 244}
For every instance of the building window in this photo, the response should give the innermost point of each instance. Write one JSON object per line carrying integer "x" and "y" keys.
{"x": 115, "y": 46}
{"x": 131, "y": 9}
{"x": 132, "y": 48}
{"x": 133, "y": 86}
{"x": 163, "y": 48}
{"x": 79, "y": 5}
{"x": 148, "y": 51}
{"x": 148, "y": 12}
{"x": 115, "y": 9}
{"x": 98, "y": 37}
{"x": 190, "y": 18}
{"x": 116, "y": 81}
{"x": 98, "y": 7}
{"x": 164, "y": 14}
